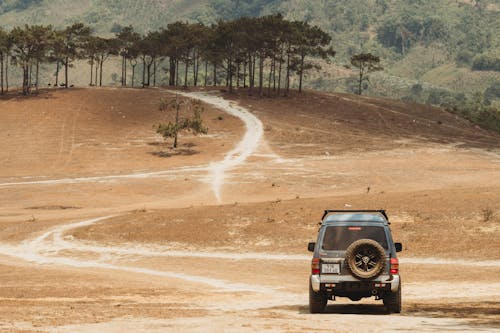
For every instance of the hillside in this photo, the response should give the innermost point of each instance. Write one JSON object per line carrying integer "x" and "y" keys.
{"x": 442, "y": 53}
{"x": 103, "y": 228}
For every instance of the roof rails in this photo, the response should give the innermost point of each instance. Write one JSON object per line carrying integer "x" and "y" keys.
{"x": 381, "y": 211}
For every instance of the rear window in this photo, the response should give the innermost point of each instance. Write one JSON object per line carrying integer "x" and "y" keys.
{"x": 339, "y": 238}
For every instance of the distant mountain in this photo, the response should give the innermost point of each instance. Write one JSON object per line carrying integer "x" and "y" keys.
{"x": 430, "y": 49}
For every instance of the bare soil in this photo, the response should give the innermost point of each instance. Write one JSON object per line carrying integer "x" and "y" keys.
{"x": 166, "y": 256}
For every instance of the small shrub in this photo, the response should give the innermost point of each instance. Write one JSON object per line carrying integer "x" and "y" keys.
{"x": 464, "y": 58}
{"x": 493, "y": 91}
{"x": 487, "y": 214}
{"x": 486, "y": 62}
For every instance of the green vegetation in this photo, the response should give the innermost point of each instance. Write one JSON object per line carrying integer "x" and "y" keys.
{"x": 240, "y": 49}
{"x": 193, "y": 124}
{"x": 487, "y": 62}
{"x": 8, "y": 5}
{"x": 446, "y": 45}
{"x": 365, "y": 63}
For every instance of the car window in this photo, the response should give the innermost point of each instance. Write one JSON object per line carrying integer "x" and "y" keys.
{"x": 339, "y": 238}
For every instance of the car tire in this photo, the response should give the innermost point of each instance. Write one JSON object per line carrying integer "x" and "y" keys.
{"x": 392, "y": 301}
{"x": 365, "y": 259}
{"x": 317, "y": 300}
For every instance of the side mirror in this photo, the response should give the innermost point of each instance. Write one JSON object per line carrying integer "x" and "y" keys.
{"x": 399, "y": 247}
{"x": 311, "y": 246}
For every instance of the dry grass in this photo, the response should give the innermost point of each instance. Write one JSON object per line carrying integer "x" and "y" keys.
{"x": 447, "y": 230}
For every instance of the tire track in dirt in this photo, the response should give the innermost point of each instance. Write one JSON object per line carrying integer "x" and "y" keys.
{"x": 140, "y": 175}
{"x": 45, "y": 248}
{"x": 61, "y": 143}
{"x": 245, "y": 148}
{"x": 73, "y": 135}
{"x": 52, "y": 247}
{"x": 217, "y": 170}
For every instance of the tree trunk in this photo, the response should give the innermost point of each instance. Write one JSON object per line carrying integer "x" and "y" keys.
{"x": 274, "y": 72}
{"x": 237, "y": 74}
{"x": 37, "y": 74}
{"x": 196, "y": 68}
{"x": 100, "y": 71}
{"x": 206, "y": 72}
{"x": 186, "y": 68}
{"x": 279, "y": 73}
{"x": 91, "y": 71}
{"x": 57, "y": 73}
{"x": 230, "y": 73}
{"x": 177, "y": 72}
{"x": 244, "y": 74}
{"x": 7, "y": 73}
{"x": 215, "y": 74}
{"x": 254, "y": 66}
{"x": 261, "y": 73}
{"x": 96, "y": 72}
{"x": 228, "y": 66}
{"x": 360, "y": 78}
{"x": 29, "y": 77}
{"x": 149, "y": 72}
{"x": 154, "y": 72}
{"x": 1, "y": 71}
{"x": 177, "y": 107}
{"x": 143, "y": 72}
{"x": 288, "y": 73}
{"x": 270, "y": 79}
{"x": 133, "y": 75}
{"x": 171, "y": 78}
{"x": 25, "y": 79}
{"x": 302, "y": 57}
{"x": 123, "y": 72}
{"x": 250, "y": 75}
{"x": 66, "y": 65}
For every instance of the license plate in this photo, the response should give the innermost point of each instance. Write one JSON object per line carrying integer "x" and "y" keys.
{"x": 330, "y": 268}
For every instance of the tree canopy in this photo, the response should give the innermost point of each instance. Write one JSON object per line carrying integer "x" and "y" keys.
{"x": 249, "y": 52}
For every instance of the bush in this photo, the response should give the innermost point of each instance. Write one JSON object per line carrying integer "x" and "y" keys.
{"x": 437, "y": 96}
{"x": 489, "y": 117}
{"x": 464, "y": 58}
{"x": 116, "y": 28}
{"x": 475, "y": 109}
{"x": 486, "y": 62}
{"x": 493, "y": 91}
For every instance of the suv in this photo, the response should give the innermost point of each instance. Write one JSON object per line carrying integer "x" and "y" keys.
{"x": 354, "y": 257}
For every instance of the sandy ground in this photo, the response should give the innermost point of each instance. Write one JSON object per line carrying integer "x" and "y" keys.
{"x": 104, "y": 228}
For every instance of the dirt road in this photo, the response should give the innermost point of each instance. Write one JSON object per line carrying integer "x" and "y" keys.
{"x": 213, "y": 239}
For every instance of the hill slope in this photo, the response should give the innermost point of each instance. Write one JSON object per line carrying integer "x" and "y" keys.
{"x": 426, "y": 44}
{"x": 151, "y": 253}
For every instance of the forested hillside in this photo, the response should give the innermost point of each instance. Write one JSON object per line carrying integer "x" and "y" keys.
{"x": 441, "y": 52}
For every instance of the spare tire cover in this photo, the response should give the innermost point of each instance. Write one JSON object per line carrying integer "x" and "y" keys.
{"x": 365, "y": 259}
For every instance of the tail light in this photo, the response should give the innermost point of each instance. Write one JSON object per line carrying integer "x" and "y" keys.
{"x": 315, "y": 266}
{"x": 394, "y": 265}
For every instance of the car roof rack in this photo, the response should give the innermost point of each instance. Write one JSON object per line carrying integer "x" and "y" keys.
{"x": 381, "y": 211}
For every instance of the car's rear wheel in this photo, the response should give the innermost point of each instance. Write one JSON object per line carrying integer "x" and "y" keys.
{"x": 317, "y": 300}
{"x": 365, "y": 259}
{"x": 392, "y": 301}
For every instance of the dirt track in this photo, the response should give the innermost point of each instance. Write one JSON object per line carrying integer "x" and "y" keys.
{"x": 103, "y": 228}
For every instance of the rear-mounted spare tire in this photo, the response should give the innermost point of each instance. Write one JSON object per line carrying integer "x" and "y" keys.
{"x": 365, "y": 259}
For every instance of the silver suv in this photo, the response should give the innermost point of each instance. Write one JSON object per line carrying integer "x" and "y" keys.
{"x": 354, "y": 257}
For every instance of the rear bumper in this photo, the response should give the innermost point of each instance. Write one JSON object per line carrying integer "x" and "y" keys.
{"x": 318, "y": 280}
